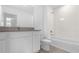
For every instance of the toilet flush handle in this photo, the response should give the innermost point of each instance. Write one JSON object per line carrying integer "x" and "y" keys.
{"x": 51, "y": 32}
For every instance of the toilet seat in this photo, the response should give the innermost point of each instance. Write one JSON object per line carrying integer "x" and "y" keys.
{"x": 46, "y": 40}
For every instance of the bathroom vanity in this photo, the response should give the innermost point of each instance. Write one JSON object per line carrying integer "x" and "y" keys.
{"x": 20, "y": 30}
{"x": 20, "y": 41}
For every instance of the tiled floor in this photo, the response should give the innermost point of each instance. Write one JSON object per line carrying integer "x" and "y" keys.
{"x": 53, "y": 49}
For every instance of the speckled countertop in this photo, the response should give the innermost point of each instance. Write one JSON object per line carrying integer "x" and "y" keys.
{"x": 16, "y": 29}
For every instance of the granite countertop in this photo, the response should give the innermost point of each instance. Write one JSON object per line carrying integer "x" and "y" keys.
{"x": 16, "y": 29}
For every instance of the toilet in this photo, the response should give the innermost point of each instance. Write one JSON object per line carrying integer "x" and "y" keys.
{"x": 45, "y": 44}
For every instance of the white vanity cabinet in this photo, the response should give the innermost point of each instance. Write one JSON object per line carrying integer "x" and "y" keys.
{"x": 25, "y": 42}
{"x": 36, "y": 41}
{"x": 2, "y": 46}
{"x": 4, "y": 42}
{"x": 20, "y": 42}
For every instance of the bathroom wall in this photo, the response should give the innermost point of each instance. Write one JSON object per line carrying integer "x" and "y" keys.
{"x": 24, "y": 19}
{"x": 1, "y": 21}
{"x": 48, "y": 21}
{"x": 66, "y": 22}
{"x": 38, "y": 17}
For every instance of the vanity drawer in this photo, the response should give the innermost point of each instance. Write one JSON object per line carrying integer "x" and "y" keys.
{"x": 3, "y": 35}
{"x": 20, "y": 34}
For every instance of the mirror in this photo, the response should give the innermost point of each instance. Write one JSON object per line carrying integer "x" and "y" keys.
{"x": 10, "y": 20}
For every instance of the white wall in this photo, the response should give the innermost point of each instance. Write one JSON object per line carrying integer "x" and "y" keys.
{"x": 24, "y": 19}
{"x": 1, "y": 17}
{"x": 0, "y": 13}
{"x": 38, "y": 17}
{"x": 69, "y": 27}
{"x": 48, "y": 21}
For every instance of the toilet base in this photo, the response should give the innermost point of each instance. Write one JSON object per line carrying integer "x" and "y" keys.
{"x": 45, "y": 44}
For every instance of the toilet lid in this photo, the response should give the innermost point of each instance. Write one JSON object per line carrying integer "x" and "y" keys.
{"x": 46, "y": 40}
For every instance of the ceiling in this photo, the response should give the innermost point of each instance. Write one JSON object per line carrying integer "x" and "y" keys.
{"x": 29, "y": 8}
{"x": 26, "y": 8}
{"x": 55, "y": 6}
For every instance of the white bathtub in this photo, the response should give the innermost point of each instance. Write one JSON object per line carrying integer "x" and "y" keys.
{"x": 69, "y": 46}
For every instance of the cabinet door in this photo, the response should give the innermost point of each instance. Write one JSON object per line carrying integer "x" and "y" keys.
{"x": 2, "y": 46}
{"x": 3, "y": 42}
{"x": 36, "y": 41}
{"x": 20, "y": 42}
{"x": 20, "y": 45}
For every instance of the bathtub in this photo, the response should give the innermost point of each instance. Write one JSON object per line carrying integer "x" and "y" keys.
{"x": 67, "y": 45}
